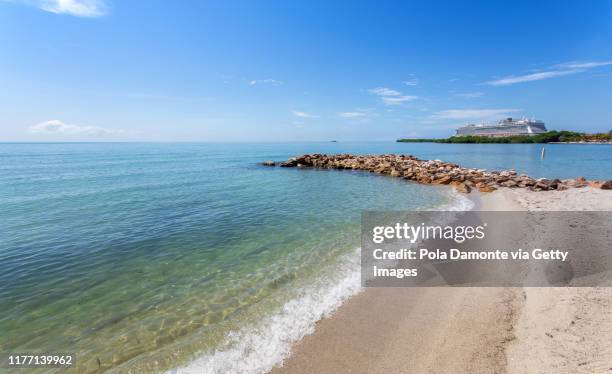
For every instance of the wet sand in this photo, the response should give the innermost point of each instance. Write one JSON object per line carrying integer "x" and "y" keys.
{"x": 412, "y": 330}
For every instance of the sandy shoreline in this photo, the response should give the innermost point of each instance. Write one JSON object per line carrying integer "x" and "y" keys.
{"x": 469, "y": 330}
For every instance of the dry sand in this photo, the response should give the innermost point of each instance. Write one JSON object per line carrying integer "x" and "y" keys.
{"x": 470, "y": 330}
{"x": 562, "y": 329}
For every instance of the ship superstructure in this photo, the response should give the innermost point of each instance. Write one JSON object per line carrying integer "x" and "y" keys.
{"x": 506, "y": 127}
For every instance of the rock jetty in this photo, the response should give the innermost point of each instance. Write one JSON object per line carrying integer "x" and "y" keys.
{"x": 437, "y": 172}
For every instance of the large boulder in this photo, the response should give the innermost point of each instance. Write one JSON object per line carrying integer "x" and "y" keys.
{"x": 595, "y": 184}
{"x": 486, "y": 189}
{"x": 461, "y": 187}
{"x": 575, "y": 183}
{"x": 292, "y": 162}
{"x": 509, "y": 183}
{"x": 526, "y": 182}
{"x": 424, "y": 178}
{"x": 446, "y": 179}
{"x": 542, "y": 184}
{"x": 607, "y": 185}
{"x": 555, "y": 183}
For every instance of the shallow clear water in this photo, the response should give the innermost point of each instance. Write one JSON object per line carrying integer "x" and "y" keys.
{"x": 120, "y": 251}
{"x": 143, "y": 256}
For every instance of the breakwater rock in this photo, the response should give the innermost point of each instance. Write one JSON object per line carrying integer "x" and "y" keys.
{"x": 437, "y": 172}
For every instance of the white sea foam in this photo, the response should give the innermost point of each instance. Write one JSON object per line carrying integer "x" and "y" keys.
{"x": 459, "y": 202}
{"x": 259, "y": 348}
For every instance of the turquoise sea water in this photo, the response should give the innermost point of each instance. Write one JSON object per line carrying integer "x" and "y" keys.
{"x": 144, "y": 257}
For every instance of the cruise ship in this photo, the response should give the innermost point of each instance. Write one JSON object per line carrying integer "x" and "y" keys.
{"x": 505, "y": 127}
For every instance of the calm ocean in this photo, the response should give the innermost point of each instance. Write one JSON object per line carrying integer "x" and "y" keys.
{"x": 145, "y": 257}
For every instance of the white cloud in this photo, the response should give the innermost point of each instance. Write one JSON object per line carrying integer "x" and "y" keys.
{"x": 77, "y": 8}
{"x": 470, "y": 95}
{"x": 473, "y": 113}
{"x": 353, "y": 114}
{"x": 412, "y": 81}
{"x": 533, "y": 77}
{"x": 61, "y": 128}
{"x": 568, "y": 68}
{"x": 271, "y": 82}
{"x": 584, "y": 65}
{"x": 382, "y": 91}
{"x": 359, "y": 115}
{"x": 304, "y": 115}
{"x": 391, "y": 97}
{"x": 397, "y": 100}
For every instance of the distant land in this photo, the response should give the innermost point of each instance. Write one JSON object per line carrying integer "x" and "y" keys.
{"x": 547, "y": 137}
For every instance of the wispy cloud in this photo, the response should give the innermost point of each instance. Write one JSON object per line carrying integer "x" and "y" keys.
{"x": 462, "y": 114}
{"x": 391, "y": 97}
{"x": 353, "y": 114}
{"x": 560, "y": 70}
{"x": 383, "y": 91}
{"x": 77, "y": 8}
{"x": 584, "y": 65}
{"x": 470, "y": 95}
{"x": 358, "y": 115}
{"x": 397, "y": 100}
{"x": 61, "y": 128}
{"x": 533, "y": 77}
{"x": 411, "y": 81}
{"x": 304, "y": 115}
{"x": 271, "y": 82}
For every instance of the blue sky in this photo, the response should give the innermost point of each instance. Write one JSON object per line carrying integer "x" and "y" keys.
{"x": 298, "y": 70}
